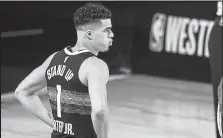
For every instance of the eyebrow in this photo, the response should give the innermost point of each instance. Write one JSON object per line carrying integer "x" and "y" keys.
{"x": 108, "y": 28}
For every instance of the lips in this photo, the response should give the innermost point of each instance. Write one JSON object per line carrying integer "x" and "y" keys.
{"x": 110, "y": 43}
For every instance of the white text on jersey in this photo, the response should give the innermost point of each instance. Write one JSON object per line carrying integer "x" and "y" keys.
{"x": 59, "y": 70}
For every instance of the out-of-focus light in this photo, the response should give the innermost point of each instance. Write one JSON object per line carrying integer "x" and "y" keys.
{"x": 17, "y": 33}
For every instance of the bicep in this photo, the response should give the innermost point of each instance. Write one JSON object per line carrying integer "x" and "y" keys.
{"x": 97, "y": 86}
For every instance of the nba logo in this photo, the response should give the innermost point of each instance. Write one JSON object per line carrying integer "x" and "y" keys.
{"x": 157, "y": 31}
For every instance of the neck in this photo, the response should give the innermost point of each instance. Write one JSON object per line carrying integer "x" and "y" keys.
{"x": 81, "y": 45}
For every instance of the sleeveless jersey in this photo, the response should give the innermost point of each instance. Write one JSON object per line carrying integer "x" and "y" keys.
{"x": 68, "y": 97}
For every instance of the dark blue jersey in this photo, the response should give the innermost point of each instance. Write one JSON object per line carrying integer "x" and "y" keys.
{"x": 68, "y": 97}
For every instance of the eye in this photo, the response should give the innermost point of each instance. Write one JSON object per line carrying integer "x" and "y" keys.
{"x": 108, "y": 30}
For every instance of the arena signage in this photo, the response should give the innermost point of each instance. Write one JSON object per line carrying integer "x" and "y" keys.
{"x": 180, "y": 35}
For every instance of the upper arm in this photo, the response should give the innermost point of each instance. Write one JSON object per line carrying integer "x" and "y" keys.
{"x": 220, "y": 91}
{"x": 97, "y": 78}
{"x": 35, "y": 81}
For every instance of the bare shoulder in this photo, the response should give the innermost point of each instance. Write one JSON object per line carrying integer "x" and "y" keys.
{"x": 96, "y": 65}
{"x": 95, "y": 62}
{"x": 93, "y": 69}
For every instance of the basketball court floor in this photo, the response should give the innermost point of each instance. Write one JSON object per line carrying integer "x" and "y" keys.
{"x": 140, "y": 107}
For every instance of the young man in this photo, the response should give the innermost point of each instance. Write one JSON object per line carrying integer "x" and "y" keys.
{"x": 215, "y": 59}
{"x": 75, "y": 79}
{"x": 219, "y": 110}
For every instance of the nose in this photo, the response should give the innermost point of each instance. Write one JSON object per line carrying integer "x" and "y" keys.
{"x": 111, "y": 35}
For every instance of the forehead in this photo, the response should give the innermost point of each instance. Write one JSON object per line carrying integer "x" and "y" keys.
{"x": 99, "y": 25}
{"x": 106, "y": 23}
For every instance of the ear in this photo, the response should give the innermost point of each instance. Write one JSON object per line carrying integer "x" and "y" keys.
{"x": 88, "y": 34}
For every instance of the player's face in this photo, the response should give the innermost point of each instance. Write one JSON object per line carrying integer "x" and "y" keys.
{"x": 102, "y": 36}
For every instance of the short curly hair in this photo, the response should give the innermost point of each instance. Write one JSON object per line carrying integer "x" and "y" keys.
{"x": 89, "y": 13}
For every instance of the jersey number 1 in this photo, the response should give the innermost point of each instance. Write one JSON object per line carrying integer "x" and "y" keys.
{"x": 58, "y": 101}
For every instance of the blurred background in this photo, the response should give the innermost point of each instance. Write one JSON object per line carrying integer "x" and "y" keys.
{"x": 161, "y": 49}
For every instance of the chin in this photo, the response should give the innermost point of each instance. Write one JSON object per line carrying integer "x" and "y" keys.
{"x": 105, "y": 50}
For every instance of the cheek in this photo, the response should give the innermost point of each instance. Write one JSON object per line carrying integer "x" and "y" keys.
{"x": 102, "y": 39}
{"x": 104, "y": 36}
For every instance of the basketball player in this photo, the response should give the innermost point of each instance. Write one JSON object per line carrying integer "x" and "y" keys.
{"x": 75, "y": 79}
{"x": 219, "y": 107}
{"x": 215, "y": 59}
{"x": 219, "y": 111}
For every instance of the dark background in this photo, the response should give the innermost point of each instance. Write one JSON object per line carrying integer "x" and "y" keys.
{"x": 131, "y": 26}
{"x": 20, "y": 55}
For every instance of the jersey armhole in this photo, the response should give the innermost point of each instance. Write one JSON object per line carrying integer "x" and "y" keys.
{"x": 82, "y": 67}
{"x": 54, "y": 54}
